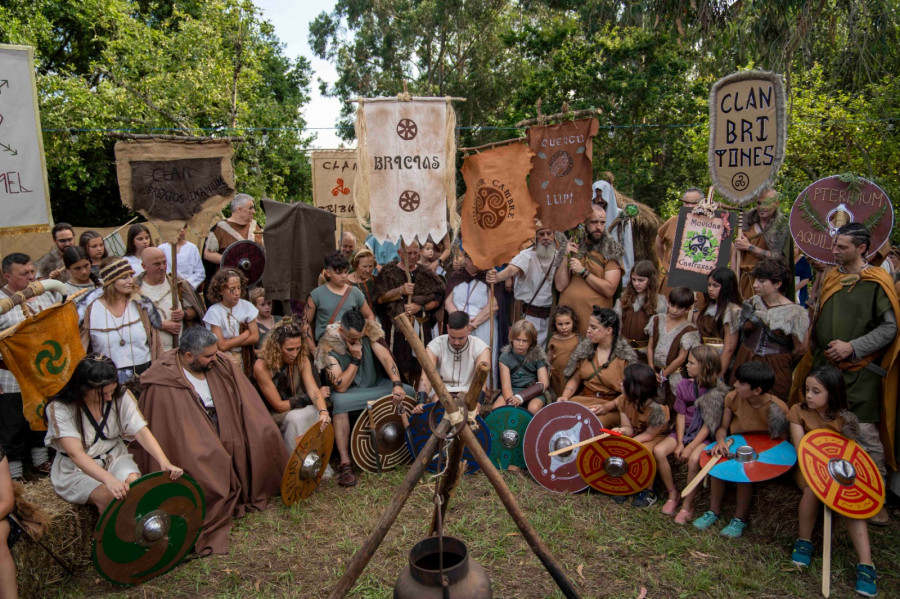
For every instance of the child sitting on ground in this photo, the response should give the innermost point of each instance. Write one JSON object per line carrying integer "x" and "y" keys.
{"x": 748, "y": 409}
{"x": 523, "y": 365}
{"x": 825, "y": 407}
{"x": 637, "y": 306}
{"x": 88, "y": 423}
{"x": 698, "y": 411}
{"x": 639, "y": 416}
{"x": 563, "y": 342}
{"x": 671, "y": 336}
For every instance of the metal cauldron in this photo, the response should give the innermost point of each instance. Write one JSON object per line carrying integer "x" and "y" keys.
{"x": 421, "y": 579}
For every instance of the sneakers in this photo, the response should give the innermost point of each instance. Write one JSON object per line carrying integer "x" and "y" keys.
{"x": 346, "y": 478}
{"x": 734, "y": 529}
{"x": 802, "y": 555}
{"x": 865, "y": 580}
{"x": 645, "y": 498}
{"x": 706, "y": 520}
{"x": 619, "y": 499}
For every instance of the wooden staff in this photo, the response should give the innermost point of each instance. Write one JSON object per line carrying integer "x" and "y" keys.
{"x": 493, "y": 476}
{"x": 452, "y": 475}
{"x": 582, "y": 443}
{"x": 826, "y": 552}
{"x": 702, "y": 474}
{"x": 491, "y": 313}
{"x": 173, "y": 283}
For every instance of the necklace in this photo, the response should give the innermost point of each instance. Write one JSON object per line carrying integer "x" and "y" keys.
{"x": 118, "y": 326}
{"x": 862, "y": 268}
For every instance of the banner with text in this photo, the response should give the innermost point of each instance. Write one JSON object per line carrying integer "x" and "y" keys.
{"x": 24, "y": 192}
{"x": 334, "y": 176}
{"x": 407, "y": 169}
{"x": 174, "y": 183}
{"x": 498, "y": 211}
{"x": 702, "y": 244}
{"x": 561, "y": 180}
{"x": 747, "y": 134}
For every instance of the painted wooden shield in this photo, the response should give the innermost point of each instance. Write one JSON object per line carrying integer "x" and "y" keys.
{"x": 377, "y": 442}
{"x": 419, "y": 432}
{"x": 246, "y": 256}
{"x": 841, "y": 474}
{"x": 556, "y": 426}
{"x": 828, "y": 204}
{"x": 507, "y": 426}
{"x": 754, "y": 457}
{"x": 617, "y": 466}
{"x": 149, "y": 532}
{"x": 307, "y": 464}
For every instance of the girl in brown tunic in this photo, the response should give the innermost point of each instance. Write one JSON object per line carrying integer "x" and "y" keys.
{"x": 672, "y": 335}
{"x": 596, "y": 368}
{"x": 718, "y": 316}
{"x": 562, "y": 344}
{"x": 773, "y": 326}
{"x": 637, "y": 305}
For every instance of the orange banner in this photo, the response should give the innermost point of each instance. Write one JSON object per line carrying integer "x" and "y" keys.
{"x": 42, "y": 352}
{"x": 498, "y": 211}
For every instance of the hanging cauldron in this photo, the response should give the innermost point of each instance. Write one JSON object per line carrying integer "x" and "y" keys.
{"x": 421, "y": 579}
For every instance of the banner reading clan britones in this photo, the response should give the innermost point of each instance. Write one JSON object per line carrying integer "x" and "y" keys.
{"x": 498, "y": 212}
{"x": 406, "y": 176}
{"x": 561, "y": 180}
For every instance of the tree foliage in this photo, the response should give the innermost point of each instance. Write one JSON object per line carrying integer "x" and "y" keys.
{"x": 183, "y": 67}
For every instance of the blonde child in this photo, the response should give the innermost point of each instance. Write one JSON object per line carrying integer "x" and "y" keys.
{"x": 672, "y": 335}
{"x": 698, "y": 410}
{"x": 524, "y": 377}
{"x": 636, "y": 306}
{"x": 825, "y": 407}
{"x": 563, "y": 342}
{"x": 750, "y": 408}
{"x": 639, "y": 416}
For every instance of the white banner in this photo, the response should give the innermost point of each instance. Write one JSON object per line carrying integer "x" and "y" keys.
{"x": 24, "y": 192}
{"x": 407, "y": 167}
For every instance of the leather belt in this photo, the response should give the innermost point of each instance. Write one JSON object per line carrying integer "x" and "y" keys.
{"x": 536, "y": 311}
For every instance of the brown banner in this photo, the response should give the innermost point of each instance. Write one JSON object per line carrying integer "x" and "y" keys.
{"x": 498, "y": 211}
{"x": 746, "y": 133}
{"x": 702, "y": 244}
{"x": 174, "y": 183}
{"x": 561, "y": 180}
{"x": 334, "y": 174}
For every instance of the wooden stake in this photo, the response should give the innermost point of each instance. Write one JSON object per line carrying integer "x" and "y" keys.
{"x": 826, "y": 552}
{"x": 173, "y": 283}
{"x": 491, "y": 308}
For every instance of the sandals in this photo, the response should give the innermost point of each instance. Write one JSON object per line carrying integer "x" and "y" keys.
{"x": 346, "y": 478}
{"x": 669, "y": 507}
{"x": 684, "y": 516}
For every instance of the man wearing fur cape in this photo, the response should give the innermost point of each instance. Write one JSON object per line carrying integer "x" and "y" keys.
{"x": 407, "y": 287}
{"x": 206, "y": 414}
{"x": 863, "y": 347}
{"x": 359, "y": 370}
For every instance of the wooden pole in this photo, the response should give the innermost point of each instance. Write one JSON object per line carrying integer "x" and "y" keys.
{"x": 173, "y": 283}
{"x": 494, "y": 144}
{"x": 452, "y": 475}
{"x": 365, "y": 553}
{"x": 468, "y": 437}
{"x": 826, "y": 552}
{"x": 491, "y": 308}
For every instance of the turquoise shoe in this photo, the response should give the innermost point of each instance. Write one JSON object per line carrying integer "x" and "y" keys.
{"x": 802, "y": 555}
{"x": 865, "y": 580}
{"x": 734, "y": 529}
{"x": 706, "y": 520}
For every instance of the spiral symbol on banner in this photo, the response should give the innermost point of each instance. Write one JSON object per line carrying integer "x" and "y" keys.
{"x": 561, "y": 163}
{"x": 490, "y": 208}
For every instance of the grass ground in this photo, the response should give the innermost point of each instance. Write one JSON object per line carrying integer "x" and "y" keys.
{"x": 607, "y": 550}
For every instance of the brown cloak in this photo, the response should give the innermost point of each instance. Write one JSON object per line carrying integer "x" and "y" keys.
{"x": 239, "y": 467}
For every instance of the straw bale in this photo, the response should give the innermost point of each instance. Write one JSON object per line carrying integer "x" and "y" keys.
{"x": 68, "y": 536}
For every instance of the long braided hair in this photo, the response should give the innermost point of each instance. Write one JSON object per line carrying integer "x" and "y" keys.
{"x": 94, "y": 372}
{"x": 608, "y": 318}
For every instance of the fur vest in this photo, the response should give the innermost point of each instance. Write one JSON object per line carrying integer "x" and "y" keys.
{"x": 585, "y": 351}
{"x": 332, "y": 341}
{"x": 711, "y": 404}
{"x": 534, "y": 355}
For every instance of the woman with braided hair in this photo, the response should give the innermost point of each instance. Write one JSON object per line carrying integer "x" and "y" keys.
{"x": 596, "y": 368}
{"x": 285, "y": 378}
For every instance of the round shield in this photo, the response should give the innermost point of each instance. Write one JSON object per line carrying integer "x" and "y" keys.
{"x": 419, "y": 432}
{"x": 378, "y": 439}
{"x": 246, "y": 256}
{"x": 617, "y": 466}
{"x": 149, "y": 531}
{"x": 841, "y": 474}
{"x": 507, "y": 427}
{"x": 556, "y": 426}
{"x": 307, "y": 464}
{"x": 828, "y": 204}
{"x": 754, "y": 457}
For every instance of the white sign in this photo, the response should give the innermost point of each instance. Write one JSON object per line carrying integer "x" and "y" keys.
{"x": 24, "y": 193}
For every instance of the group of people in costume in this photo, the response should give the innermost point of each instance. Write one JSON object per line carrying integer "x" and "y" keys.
{"x": 223, "y": 389}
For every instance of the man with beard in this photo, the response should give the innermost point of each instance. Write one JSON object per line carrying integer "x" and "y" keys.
{"x": 237, "y": 227}
{"x": 765, "y": 234}
{"x": 405, "y": 287}
{"x": 665, "y": 239}
{"x": 593, "y": 272}
{"x": 534, "y": 268}
{"x": 864, "y": 347}
{"x": 51, "y": 265}
{"x": 348, "y": 244}
{"x": 206, "y": 415}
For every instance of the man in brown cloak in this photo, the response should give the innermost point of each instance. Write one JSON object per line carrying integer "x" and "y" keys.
{"x": 206, "y": 414}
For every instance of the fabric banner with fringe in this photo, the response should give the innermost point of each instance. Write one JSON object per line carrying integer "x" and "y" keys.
{"x": 406, "y": 176}
{"x": 334, "y": 176}
{"x": 42, "y": 352}
{"x": 498, "y": 212}
{"x": 561, "y": 180}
